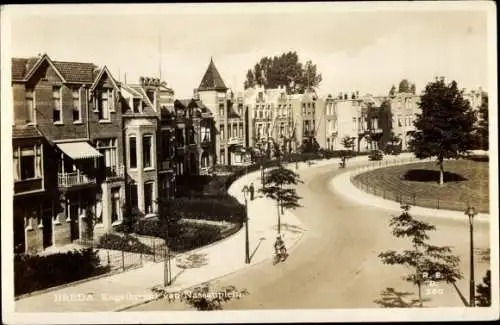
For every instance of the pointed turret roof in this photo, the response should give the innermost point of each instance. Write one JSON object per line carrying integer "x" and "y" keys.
{"x": 212, "y": 79}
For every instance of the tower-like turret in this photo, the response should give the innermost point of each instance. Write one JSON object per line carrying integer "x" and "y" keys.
{"x": 213, "y": 93}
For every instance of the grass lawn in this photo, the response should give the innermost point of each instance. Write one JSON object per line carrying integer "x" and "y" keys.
{"x": 466, "y": 182}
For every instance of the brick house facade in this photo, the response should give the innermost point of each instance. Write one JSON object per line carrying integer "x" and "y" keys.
{"x": 74, "y": 109}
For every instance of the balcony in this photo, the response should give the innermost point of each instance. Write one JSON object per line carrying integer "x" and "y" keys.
{"x": 235, "y": 140}
{"x": 204, "y": 171}
{"x": 68, "y": 180}
{"x": 114, "y": 172}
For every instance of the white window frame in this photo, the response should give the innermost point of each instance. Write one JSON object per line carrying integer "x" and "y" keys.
{"x": 32, "y": 110}
{"x": 78, "y": 90}
{"x": 151, "y": 152}
{"x": 129, "y": 151}
{"x": 37, "y": 162}
{"x": 59, "y": 108}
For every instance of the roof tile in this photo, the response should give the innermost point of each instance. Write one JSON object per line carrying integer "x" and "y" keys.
{"x": 212, "y": 79}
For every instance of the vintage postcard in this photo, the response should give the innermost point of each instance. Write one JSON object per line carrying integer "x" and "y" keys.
{"x": 249, "y": 162}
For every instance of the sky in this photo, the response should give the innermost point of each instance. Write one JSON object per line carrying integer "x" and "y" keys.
{"x": 364, "y": 47}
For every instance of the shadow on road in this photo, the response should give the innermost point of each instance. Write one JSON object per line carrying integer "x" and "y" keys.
{"x": 261, "y": 239}
{"x": 190, "y": 261}
{"x": 390, "y": 298}
{"x": 464, "y": 300}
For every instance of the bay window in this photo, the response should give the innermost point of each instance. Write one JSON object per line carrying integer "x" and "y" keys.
{"x": 27, "y": 162}
{"x": 147, "y": 153}
{"x": 132, "y": 147}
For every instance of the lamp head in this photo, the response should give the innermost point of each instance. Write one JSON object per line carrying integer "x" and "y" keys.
{"x": 471, "y": 211}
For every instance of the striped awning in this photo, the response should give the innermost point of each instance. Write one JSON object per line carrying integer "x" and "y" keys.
{"x": 79, "y": 150}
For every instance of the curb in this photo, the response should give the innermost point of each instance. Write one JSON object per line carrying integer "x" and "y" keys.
{"x": 292, "y": 247}
{"x": 389, "y": 205}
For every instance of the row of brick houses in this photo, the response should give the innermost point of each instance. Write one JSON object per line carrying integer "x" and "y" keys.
{"x": 87, "y": 148}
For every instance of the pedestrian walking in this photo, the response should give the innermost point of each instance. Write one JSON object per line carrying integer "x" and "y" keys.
{"x": 252, "y": 190}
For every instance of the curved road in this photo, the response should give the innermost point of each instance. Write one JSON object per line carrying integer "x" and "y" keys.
{"x": 335, "y": 264}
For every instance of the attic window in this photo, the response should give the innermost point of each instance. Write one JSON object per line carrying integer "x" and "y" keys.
{"x": 136, "y": 105}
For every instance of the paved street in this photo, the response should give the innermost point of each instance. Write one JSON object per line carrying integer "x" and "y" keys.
{"x": 336, "y": 264}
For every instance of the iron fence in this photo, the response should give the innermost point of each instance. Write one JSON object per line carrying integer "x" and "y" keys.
{"x": 404, "y": 195}
{"x": 122, "y": 260}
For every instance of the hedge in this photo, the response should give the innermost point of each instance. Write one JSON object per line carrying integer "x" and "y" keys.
{"x": 182, "y": 236}
{"x": 35, "y": 272}
{"x": 125, "y": 243}
{"x": 217, "y": 208}
{"x": 192, "y": 235}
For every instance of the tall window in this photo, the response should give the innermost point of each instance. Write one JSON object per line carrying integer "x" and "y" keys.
{"x": 205, "y": 134}
{"x": 115, "y": 205}
{"x": 147, "y": 148}
{"x": 77, "y": 113}
{"x": 107, "y": 147}
{"x": 27, "y": 162}
{"x": 56, "y": 105}
{"x": 221, "y": 110}
{"x": 104, "y": 104}
{"x": 30, "y": 106}
{"x": 221, "y": 128}
{"x": 354, "y": 123}
{"x": 134, "y": 200}
{"x": 132, "y": 152}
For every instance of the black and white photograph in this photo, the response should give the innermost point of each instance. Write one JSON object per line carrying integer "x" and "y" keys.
{"x": 249, "y": 162}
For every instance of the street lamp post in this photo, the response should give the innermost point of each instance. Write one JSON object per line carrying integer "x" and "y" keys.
{"x": 471, "y": 212}
{"x": 245, "y": 191}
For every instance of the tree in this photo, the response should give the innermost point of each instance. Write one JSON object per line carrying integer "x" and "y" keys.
{"x": 404, "y": 86}
{"x": 445, "y": 125}
{"x": 392, "y": 92}
{"x": 426, "y": 262}
{"x": 250, "y": 81}
{"x": 284, "y": 70}
{"x": 348, "y": 142}
{"x": 483, "y": 125}
{"x": 203, "y": 297}
{"x": 276, "y": 187}
{"x": 483, "y": 297}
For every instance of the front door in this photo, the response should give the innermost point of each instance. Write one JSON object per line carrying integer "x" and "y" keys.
{"x": 74, "y": 222}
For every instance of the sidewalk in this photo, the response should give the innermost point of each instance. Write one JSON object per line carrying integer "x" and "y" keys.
{"x": 133, "y": 287}
{"x": 342, "y": 184}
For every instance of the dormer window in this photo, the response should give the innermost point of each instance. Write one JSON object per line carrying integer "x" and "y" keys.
{"x": 136, "y": 105}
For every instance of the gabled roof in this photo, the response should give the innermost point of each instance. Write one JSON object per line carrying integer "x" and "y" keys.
{"x": 99, "y": 76}
{"x": 74, "y": 72}
{"x": 212, "y": 79}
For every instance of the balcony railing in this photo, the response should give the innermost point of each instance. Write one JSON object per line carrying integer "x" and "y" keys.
{"x": 235, "y": 140}
{"x": 114, "y": 172}
{"x": 74, "y": 179}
